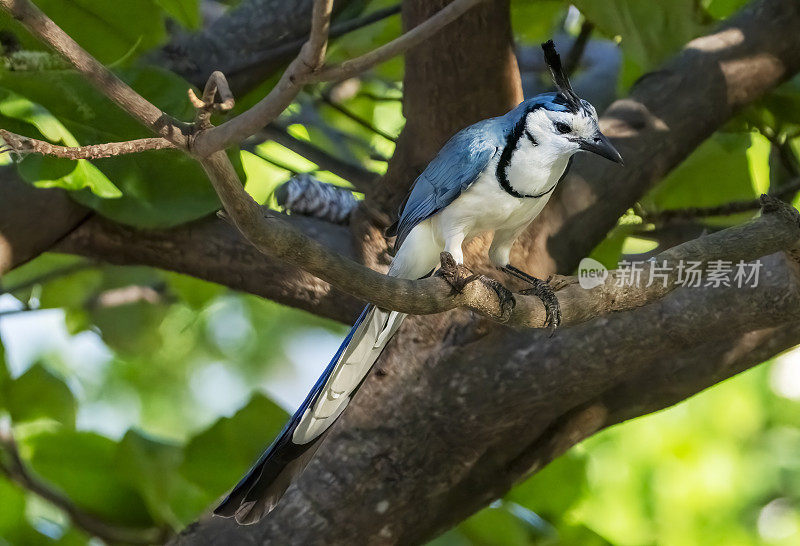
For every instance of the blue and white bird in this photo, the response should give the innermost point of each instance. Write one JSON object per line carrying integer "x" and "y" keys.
{"x": 494, "y": 176}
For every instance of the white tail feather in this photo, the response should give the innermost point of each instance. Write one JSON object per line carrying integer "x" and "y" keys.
{"x": 364, "y": 348}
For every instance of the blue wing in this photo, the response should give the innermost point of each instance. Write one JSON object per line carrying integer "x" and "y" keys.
{"x": 458, "y": 164}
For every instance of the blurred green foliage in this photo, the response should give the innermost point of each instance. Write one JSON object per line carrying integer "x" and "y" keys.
{"x": 149, "y": 393}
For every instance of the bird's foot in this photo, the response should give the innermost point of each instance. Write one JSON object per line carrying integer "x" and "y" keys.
{"x": 456, "y": 274}
{"x": 544, "y": 291}
{"x": 504, "y": 296}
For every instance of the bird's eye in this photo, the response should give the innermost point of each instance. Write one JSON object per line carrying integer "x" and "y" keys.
{"x": 562, "y": 127}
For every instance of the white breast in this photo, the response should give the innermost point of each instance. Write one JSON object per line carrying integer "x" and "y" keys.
{"x": 485, "y": 206}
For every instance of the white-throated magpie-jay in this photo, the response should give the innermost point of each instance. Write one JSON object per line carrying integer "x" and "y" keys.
{"x": 494, "y": 176}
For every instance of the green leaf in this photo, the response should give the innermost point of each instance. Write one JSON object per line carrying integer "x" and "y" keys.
{"x": 107, "y": 30}
{"x": 151, "y": 467}
{"x": 649, "y": 31}
{"x": 716, "y": 173}
{"x": 71, "y": 290}
{"x": 38, "y": 393}
{"x": 159, "y": 188}
{"x": 53, "y": 172}
{"x": 83, "y": 466}
{"x": 495, "y": 527}
{"x": 218, "y": 457}
{"x": 552, "y": 491}
{"x": 48, "y": 172}
{"x": 196, "y": 293}
{"x": 5, "y": 377}
{"x": 12, "y": 498}
{"x": 533, "y": 21}
{"x": 722, "y": 9}
{"x": 186, "y": 12}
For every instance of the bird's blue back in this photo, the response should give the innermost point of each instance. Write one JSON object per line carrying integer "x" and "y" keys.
{"x": 461, "y": 161}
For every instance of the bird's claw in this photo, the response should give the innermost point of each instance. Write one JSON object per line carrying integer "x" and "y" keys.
{"x": 544, "y": 292}
{"x": 504, "y": 295}
{"x": 457, "y": 275}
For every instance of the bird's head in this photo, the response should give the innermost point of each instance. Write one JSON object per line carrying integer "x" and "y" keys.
{"x": 562, "y": 121}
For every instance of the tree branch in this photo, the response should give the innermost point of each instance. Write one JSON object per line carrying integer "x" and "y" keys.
{"x": 214, "y": 250}
{"x": 16, "y": 471}
{"x": 115, "y": 89}
{"x": 306, "y": 69}
{"x": 538, "y": 397}
{"x": 777, "y": 229}
{"x": 31, "y": 219}
{"x": 22, "y": 145}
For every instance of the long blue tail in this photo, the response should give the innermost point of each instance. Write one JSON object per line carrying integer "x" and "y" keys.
{"x": 263, "y": 486}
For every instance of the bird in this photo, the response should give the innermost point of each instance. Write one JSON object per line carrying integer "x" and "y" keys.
{"x": 493, "y": 176}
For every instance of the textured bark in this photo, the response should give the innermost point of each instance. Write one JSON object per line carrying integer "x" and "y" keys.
{"x": 214, "y": 250}
{"x": 461, "y": 409}
{"x": 446, "y": 427}
{"x": 246, "y": 44}
{"x": 32, "y": 220}
{"x": 450, "y": 82}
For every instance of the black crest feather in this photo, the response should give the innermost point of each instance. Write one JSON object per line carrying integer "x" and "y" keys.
{"x": 553, "y": 61}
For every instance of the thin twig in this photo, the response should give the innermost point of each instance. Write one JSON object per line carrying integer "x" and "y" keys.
{"x": 14, "y": 468}
{"x": 734, "y": 207}
{"x": 340, "y": 29}
{"x": 114, "y": 88}
{"x": 362, "y": 179}
{"x": 575, "y": 52}
{"x": 413, "y": 37}
{"x": 301, "y": 72}
{"x": 358, "y": 119}
{"x": 216, "y": 87}
{"x": 22, "y": 145}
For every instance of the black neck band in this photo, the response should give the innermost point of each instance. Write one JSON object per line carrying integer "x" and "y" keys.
{"x": 512, "y": 141}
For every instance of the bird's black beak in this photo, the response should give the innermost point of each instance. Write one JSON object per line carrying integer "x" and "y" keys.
{"x": 600, "y": 145}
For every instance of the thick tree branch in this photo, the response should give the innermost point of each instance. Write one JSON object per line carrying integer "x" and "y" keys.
{"x": 777, "y": 229}
{"x": 22, "y": 145}
{"x": 214, "y": 250}
{"x": 249, "y": 43}
{"x": 535, "y": 399}
{"x": 32, "y": 220}
{"x": 256, "y": 65}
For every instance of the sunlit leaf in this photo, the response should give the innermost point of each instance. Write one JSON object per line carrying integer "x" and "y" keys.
{"x": 649, "y": 31}
{"x": 159, "y": 188}
{"x": 716, "y": 173}
{"x": 108, "y": 30}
